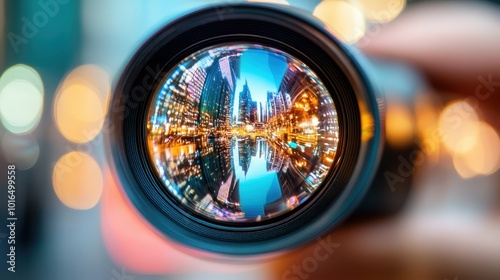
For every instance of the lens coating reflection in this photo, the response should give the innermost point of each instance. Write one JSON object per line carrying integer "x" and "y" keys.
{"x": 242, "y": 133}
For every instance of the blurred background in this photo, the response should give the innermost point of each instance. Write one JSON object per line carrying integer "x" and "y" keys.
{"x": 59, "y": 59}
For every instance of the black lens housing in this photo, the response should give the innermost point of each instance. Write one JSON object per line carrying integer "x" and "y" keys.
{"x": 281, "y": 28}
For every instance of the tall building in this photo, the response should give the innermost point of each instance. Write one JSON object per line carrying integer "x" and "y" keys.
{"x": 271, "y": 108}
{"x": 194, "y": 78}
{"x": 265, "y": 113}
{"x": 277, "y": 103}
{"x": 253, "y": 112}
{"x": 244, "y": 105}
{"x": 294, "y": 81}
{"x": 245, "y": 155}
{"x": 229, "y": 190}
{"x": 260, "y": 118}
{"x": 177, "y": 108}
{"x": 215, "y": 100}
{"x": 229, "y": 65}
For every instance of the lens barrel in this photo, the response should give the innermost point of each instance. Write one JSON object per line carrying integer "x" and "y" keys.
{"x": 186, "y": 149}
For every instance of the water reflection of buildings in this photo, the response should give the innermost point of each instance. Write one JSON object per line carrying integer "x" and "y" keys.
{"x": 245, "y": 155}
{"x": 196, "y": 134}
{"x": 201, "y": 175}
{"x": 204, "y": 176}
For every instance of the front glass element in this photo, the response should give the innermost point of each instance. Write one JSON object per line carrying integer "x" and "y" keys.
{"x": 242, "y": 133}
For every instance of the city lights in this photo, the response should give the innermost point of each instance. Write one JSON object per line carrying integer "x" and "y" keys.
{"x": 343, "y": 19}
{"x": 400, "y": 130}
{"x": 81, "y": 103}
{"x": 77, "y": 180}
{"x": 242, "y": 133}
{"x": 473, "y": 144}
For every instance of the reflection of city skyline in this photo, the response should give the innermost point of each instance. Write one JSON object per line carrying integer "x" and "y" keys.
{"x": 260, "y": 72}
{"x": 219, "y": 177}
{"x": 200, "y": 96}
{"x": 230, "y": 128}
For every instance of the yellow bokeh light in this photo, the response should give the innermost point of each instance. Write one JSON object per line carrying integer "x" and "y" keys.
{"x": 462, "y": 168}
{"x": 81, "y": 103}
{"x": 458, "y": 127}
{"x": 21, "y": 99}
{"x": 381, "y": 10}
{"x": 343, "y": 19}
{"x": 473, "y": 144}
{"x": 484, "y": 156}
{"x": 367, "y": 123}
{"x": 79, "y": 114}
{"x": 77, "y": 180}
{"x": 400, "y": 130}
{"x": 427, "y": 110}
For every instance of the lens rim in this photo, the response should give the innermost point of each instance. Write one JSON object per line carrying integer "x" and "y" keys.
{"x": 249, "y": 23}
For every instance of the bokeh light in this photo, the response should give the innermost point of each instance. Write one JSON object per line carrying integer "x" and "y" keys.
{"x": 81, "y": 103}
{"x": 458, "y": 127}
{"x": 21, "y": 150}
{"x": 462, "y": 168}
{"x": 343, "y": 19}
{"x": 427, "y": 110}
{"x": 400, "y": 129}
{"x": 380, "y": 10}
{"x": 22, "y": 72}
{"x": 77, "y": 180}
{"x": 484, "y": 156}
{"x": 21, "y": 98}
{"x": 473, "y": 144}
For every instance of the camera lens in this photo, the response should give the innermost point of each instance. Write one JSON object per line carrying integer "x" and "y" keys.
{"x": 241, "y": 133}
{"x": 244, "y": 129}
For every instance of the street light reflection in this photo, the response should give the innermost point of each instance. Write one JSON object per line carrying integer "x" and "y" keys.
{"x": 21, "y": 99}
{"x": 81, "y": 102}
{"x": 343, "y": 19}
{"x": 77, "y": 180}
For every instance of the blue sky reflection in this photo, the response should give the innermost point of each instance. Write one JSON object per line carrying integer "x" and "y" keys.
{"x": 258, "y": 187}
{"x": 264, "y": 71}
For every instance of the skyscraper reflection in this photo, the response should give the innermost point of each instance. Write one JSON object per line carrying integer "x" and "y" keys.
{"x": 242, "y": 133}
